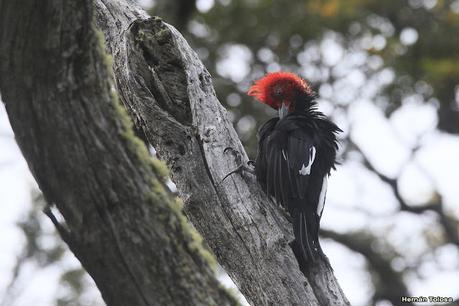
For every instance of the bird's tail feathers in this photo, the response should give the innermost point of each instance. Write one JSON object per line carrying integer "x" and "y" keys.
{"x": 306, "y": 245}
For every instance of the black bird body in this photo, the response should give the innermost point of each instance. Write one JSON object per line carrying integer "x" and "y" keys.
{"x": 295, "y": 157}
{"x": 296, "y": 152}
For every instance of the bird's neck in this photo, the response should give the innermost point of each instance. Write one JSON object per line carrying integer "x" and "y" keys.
{"x": 304, "y": 103}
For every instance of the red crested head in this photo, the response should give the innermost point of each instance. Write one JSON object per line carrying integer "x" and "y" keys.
{"x": 275, "y": 89}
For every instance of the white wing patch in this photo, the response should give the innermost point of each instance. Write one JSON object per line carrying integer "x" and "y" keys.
{"x": 306, "y": 170}
{"x": 283, "y": 154}
{"x": 323, "y": 195}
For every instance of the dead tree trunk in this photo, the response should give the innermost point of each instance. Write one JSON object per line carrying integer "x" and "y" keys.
{"x": 56, "y": 90}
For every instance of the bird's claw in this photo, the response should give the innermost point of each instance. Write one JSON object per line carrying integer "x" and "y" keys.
{"x": 241, "y": 167}
{"x": 229, "y": 149}
{"x": 237, "y": 170}
{"x": 236, "y": 154}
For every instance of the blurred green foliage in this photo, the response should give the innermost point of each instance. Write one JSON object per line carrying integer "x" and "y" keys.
{"x": 417, "y": 39}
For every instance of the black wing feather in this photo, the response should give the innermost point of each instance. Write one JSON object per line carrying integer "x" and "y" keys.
{"x": 285, "y": 147}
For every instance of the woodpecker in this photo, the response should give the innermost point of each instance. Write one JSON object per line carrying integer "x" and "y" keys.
{"x": 296, "y": 152}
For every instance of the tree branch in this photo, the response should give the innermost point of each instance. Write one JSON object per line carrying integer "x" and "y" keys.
{"x": 389, "y": 283}
{"x": 448, "y": 223}
{"x": 169, "y": 94}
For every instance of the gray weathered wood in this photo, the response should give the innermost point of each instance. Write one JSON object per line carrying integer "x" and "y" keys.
{"x": 120, "y": 221}
{"x": 169, "y": 94}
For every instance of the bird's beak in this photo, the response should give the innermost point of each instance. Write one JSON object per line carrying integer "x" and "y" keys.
{"x": 283, "y": 111}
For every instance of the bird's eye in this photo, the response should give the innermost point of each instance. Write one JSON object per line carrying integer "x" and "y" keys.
{"x": 277, "y": 92}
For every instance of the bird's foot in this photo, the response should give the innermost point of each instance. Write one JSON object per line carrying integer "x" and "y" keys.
{"x": 241, "y": 168}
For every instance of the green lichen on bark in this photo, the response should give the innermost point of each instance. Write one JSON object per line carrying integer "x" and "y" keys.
{"x": 158, "y": 195}
{"x": 160, "y": 168}
{"x": 195, "y": 241}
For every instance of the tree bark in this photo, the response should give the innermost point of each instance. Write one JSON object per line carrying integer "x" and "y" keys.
{"x": 120, "y": 221}
{"x": 169, "y": 95}
{"x": 58, "y": 98}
